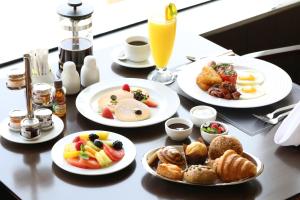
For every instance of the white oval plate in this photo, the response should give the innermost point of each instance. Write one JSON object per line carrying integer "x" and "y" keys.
{"x": 58, "y": 158}
{"x": 46, "y": 135}
{"x": 277, "y": 83}
{"x": 129, "y": 64}
{"x": 255, "y": 160}
{"x": 167, "y": 99}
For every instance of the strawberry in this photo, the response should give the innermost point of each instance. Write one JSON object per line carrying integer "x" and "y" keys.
{"x": 126, "y": 87}
{"x": 78, "y": 145}
{"x": 150, "y": 103}
{"x": 76, "y": 139}
{"x": 107, "y": 113}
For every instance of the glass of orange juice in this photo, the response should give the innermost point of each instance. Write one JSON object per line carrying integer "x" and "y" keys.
{"x": 162, "y": 31}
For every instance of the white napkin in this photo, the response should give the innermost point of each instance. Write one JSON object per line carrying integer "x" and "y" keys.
{"x": 288, "y": 132}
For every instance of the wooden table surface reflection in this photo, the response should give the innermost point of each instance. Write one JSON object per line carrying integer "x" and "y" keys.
{"x": 28, "y": 171}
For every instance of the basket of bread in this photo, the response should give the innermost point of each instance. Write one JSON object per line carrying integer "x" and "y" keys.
{"x": 223, "y": 162}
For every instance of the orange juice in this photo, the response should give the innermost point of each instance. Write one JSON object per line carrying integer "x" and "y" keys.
{"x": 161, "y": 38}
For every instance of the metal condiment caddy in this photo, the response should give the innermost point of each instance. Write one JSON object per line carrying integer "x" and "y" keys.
{"x": 32, "y": 125}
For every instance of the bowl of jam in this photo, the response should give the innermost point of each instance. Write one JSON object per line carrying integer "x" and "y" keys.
{"x": 178, "y": 128}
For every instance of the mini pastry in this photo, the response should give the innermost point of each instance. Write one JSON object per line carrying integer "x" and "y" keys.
{"x": 200, "y": 174}
{"x": 233, "y": 167}
{"x": 131, "y": 110}
{"x": 196, "y": 152}
{"x": 171, "y": 155}
{"x": 222, "y": 143}
{"x": 152, "y": 158}
{"x": 170, "y": 171}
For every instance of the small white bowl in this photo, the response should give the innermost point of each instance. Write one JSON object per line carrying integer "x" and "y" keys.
{"x": 208, "y": 137}
{"x": 175, "y": 134}
{"x": 202, "y": 114}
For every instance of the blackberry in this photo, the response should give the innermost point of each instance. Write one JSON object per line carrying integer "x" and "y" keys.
{"x": 93, "y": 137}
{"x": 117, "y": 145}
{"x": 98, "y": 143}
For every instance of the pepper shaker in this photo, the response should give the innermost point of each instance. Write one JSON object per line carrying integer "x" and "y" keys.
{"x": 70, "y": 78}
{"x": 89, "y": 71}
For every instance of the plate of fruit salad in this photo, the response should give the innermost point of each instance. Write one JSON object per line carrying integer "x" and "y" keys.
{"x": 93, "y": 152}
{"x": 127, "y": 102}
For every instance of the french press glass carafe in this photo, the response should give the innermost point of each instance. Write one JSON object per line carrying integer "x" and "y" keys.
{"x": 76, "y": 33}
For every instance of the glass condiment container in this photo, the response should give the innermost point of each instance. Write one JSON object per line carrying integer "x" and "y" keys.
{"x": 59, "y": 100}
{"x": 44, "y": 116}
{"x": 42, "y": 94}
{"x": 76, "y": 33}
{"x": 15, "y": 118}
{"x": 30, "y": 128}
{"x": 16, "y": 79}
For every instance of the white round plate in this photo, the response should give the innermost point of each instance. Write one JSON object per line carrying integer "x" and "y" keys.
{"x": 58, "y": 158}
{"x": 46, "y": 135}
{"x": 127, "y": 63}
{"x": 253, "y": 159}
{"x": 167, "y": 99}
{"x": 277, "y": 84}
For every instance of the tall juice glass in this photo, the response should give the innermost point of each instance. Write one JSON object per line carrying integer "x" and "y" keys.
{"x": 162, "y": 33}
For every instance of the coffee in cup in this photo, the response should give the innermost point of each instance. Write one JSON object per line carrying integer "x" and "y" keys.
{"x": 137, "y": 48}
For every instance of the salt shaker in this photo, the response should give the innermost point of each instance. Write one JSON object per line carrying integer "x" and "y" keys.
{"x": 70, "y": 78}
{"x": 89, "y": 71}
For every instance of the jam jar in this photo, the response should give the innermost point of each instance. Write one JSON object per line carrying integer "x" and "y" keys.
{"x": 42, "y": 94}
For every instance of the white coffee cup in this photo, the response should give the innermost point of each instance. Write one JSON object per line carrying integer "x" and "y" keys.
{"x": 137, "y": 48}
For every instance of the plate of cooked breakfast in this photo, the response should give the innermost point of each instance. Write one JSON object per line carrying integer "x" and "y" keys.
{"x": 127, "y": 103}
{"x": 235, "y": 82}
{"x": 223, "y": 162}
{"x": 93, "y": 152}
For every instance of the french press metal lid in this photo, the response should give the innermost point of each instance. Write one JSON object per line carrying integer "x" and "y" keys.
{"x": 75, "y": 10}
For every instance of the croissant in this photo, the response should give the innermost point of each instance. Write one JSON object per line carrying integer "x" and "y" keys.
{"x": 233, "y": 167}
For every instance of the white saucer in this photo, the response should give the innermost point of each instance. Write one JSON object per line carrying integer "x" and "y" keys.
{"x": 127, "y": 63}
{"x": 46, "y": 135}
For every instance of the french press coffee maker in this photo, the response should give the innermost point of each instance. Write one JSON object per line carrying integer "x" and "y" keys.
{"x": 76, "y": 33}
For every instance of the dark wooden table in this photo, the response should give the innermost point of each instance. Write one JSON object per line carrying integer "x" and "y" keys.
{"x": 28, "y": 171}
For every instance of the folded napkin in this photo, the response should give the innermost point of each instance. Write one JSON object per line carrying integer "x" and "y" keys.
{"x": 288, "y": 132}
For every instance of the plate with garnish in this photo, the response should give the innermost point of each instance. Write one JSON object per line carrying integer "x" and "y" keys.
{"x": 235, "y": 82}
{"x": 127, "y": 103}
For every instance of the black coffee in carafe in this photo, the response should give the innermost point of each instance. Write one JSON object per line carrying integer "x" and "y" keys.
{"x": 76, "y": 31}
{"x": 74, "y": 50}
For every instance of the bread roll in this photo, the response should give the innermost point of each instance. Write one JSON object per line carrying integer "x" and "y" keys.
{"x": 233, "y": 167}
{"x": 170, "y": 171}
{"x": 222, "y": 143}
{"x": 200, "y": 174}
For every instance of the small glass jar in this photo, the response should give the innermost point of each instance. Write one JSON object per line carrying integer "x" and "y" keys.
{"x": 15, "y": 118}
{"x": 16, "y": 79}
{"x": 44, "y": 116}
{"x": 42, "y": 94}
{"x": 30, "y": 129}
